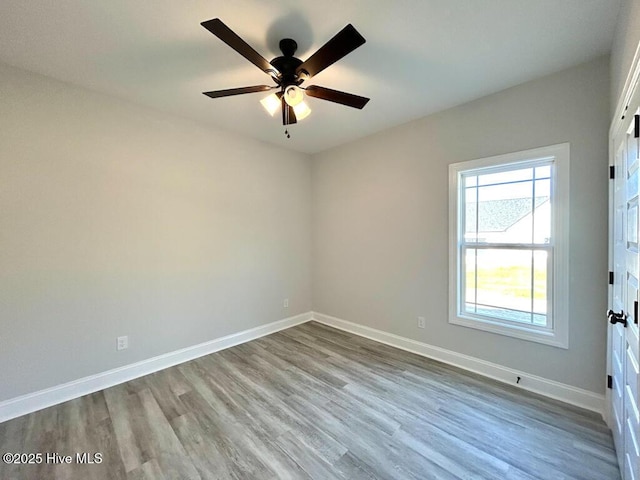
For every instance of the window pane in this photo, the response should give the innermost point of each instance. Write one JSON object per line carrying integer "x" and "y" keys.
{"x": 509, "y": 284}
{"x": 504, "y": 213}
{"x": 470, "y": 275}
{"x": 503, "y": 208}
{"x": 470, "y": 215}
{"x": 542, "y": 213}
{"x": 506, "y": 177}
{"x": 543, "y": 172}
{"x": 540, "y": 267}
{"x": 470, "y": 181}
{"x": 504, "y": 279}
{"x": 543, "y": 187}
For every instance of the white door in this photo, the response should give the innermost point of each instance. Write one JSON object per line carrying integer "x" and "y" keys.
{"x": 623, "y": 314}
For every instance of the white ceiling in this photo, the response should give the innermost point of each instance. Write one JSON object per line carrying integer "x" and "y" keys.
{"x": 421, "y": 56}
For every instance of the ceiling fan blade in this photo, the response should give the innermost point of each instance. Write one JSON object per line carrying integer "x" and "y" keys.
{"x": 343, "y": 43}
{"x": 288, "y": 115}
{"x": 229, "y": 37}
{"x": 237, "y": 91}
{"x": 336, "y": 96}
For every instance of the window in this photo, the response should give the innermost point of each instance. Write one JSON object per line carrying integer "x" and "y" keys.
{"x": 508, "y": 244}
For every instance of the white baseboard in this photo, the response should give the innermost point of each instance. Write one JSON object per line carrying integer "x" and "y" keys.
{"x": 32, "y": 402}
{"x": 549, "y": 388}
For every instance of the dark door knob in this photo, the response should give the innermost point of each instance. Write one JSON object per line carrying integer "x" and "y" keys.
{"x": 617, "y": 317}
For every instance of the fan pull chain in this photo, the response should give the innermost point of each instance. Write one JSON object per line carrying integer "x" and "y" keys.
{"x": 286, "y": 132}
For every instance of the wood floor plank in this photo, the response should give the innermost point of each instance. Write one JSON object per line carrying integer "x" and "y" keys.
{"x": 351, "y": 467}
{"x": 438, "y": 450}
{"x": 207, "y": 456}
{"x": 232, "y": 443}
{"x": 265, "y": 404}
{"x": 147, "y": 471}
{"x": 315, "y": 466}
{"x": 121, "y": 416}
{"x": 313, "y": 402}
{"x": 160, "y": 442}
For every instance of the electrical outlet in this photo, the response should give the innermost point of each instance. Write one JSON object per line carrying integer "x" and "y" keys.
{"x": 421, "y": 322}
{"x": 286, "y": 303}
{"x": 122, "y": 343}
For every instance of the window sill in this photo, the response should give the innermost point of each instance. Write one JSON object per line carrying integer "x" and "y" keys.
{"x": 521, "y": 332}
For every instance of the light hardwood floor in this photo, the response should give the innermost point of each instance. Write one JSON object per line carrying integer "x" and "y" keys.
{"x": 314, "y": 402}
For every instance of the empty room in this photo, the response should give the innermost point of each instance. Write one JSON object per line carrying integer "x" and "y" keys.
{"x": 319, "y": 240}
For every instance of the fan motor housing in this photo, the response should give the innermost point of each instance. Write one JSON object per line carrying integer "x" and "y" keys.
{"x": 287, "y": 64}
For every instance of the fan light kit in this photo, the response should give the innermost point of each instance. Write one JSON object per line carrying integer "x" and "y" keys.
{"x": 271, "y": 104}
{"x": 289, "y": 72}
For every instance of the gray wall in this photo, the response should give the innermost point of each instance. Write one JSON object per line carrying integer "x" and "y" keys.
{"x": 380, "y": 220}
{"x": 120, "y": 220}
{"x": 624, "y": 46}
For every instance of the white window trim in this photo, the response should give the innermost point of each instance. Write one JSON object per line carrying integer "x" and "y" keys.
{"x": 558, "y": 336}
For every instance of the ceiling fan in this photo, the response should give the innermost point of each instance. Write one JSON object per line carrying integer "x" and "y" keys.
{"x": 289, "y": 72}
